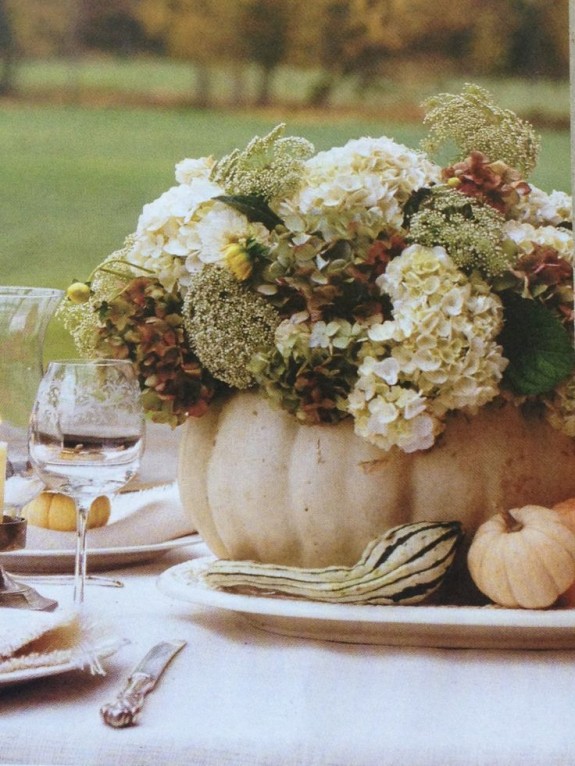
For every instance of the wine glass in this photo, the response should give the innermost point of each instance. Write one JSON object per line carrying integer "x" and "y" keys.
{"x": 86, "y": 436}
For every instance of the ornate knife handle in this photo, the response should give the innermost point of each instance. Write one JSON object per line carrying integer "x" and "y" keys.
{"x": 129, "y": 703}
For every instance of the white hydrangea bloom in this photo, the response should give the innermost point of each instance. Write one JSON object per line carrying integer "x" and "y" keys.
{"x": 335, "y": 334}
{"x": 390, "y": 415}
{"x": 438, "y": 353}
{"x": 292, "y": 335}
{"x": 542, "y": 209}
{"x": 188, "y": 169}
{"x": 525, "y": 236}
{"x": 357, "y": 189}
{"x": 165, "y": 235}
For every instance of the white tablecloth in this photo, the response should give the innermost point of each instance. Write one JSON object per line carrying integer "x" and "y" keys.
{"x": 237, "y": 696}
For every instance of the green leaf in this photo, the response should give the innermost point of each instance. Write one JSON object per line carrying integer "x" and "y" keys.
{"x": 538, "y": 346}
{"x": 254, "y": 208}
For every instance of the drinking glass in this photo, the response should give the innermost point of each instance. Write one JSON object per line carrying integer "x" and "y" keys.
{"x": 86, "y": 436}
{"x": 25, "y": 313}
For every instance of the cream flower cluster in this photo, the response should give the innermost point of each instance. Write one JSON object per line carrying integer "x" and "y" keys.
{"x": 219, "y": 227}
{"x": 166, "y": 233}
{"x": 526, "y": 236}
{"x": 542, "y": 209}
{"x": 357, "y": 190}
{"x": 438, "y": 353}
{"x": 295, "y": 336}
{"x": 186, "y": 228}
{"x": 560, "y": 408}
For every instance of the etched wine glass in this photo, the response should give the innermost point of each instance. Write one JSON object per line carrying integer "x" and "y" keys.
{"x": 86, "y": 436}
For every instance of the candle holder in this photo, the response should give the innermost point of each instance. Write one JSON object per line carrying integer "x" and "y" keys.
{"x": 12, "y": 593}
{"x": 12, "y": 533}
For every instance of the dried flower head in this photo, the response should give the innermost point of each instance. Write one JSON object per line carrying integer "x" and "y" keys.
{"x": 494, "y": 183}
{"x": 474, "y": 122}
{"x": 226, "y": 324}
{"x": 144, "y": 323}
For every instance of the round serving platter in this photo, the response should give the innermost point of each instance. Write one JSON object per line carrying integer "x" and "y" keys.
{"x": 486, "y": 627}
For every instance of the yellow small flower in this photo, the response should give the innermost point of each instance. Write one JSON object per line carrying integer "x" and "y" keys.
{"x": 238, "y": 261}
{"x": 78, "y": 292}
{"x": 454, "y": 181}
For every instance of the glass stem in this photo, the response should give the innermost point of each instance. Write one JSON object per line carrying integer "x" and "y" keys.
{"x": 83, "y": 504}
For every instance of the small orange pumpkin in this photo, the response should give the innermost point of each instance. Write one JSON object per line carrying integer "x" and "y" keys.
{"x": 53, "y": 510}
{"x": 567, "y": 510}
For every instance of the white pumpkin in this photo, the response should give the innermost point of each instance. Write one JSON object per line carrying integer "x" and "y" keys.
{"x": 523, "y": 557}
{"x": 260, "y": 486}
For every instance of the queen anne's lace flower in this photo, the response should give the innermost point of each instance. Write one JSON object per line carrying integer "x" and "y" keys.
{"x": 438, "y": 353}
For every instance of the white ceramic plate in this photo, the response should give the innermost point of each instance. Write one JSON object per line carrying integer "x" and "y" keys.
{"x": 429, "y": 626}
{"x": 31, "y": 674}
{"x": 37, "y": 561}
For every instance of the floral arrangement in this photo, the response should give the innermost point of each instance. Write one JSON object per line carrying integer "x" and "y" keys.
{"x": 363, "y": 282}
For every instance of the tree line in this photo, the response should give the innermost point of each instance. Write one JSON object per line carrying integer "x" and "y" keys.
{"x": 360, "y": 39}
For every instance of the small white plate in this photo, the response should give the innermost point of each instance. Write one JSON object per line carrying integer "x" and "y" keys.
{"x": 424, "y": 626}
{"x": 31, "y": 674}
{"x": 37, "y": 561}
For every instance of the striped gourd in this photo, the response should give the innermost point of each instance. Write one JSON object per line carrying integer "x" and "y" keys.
{"x": 404, "y": 565}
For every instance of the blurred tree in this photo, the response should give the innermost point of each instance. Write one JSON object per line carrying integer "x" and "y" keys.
{"x": 366, "y": 38}
{"x": 7, "y": 51}
{"x": 202, "y": 31}
{"x": 366, "y": 41}
{"x": 333, "y": 33}
{"x": 113, "y": 26}
{"x": 264, "y": 39}
{"x": 539, "y": 46}
{"x": 39, "y": 26}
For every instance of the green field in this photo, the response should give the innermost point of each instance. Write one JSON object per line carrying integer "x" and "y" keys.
{"x": 162, "y": 80}
{"x": 75, "y": 178}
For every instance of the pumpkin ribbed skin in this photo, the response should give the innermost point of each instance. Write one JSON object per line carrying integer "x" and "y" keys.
{"x": 262, "y": 487}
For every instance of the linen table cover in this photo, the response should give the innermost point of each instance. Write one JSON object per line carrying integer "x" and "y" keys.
{"x": 237, "y": 696}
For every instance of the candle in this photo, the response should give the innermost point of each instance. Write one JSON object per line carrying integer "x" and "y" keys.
{"x": 3, "y": 459}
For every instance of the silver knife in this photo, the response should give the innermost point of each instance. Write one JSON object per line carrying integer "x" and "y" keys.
{"x": 124, "y": 711}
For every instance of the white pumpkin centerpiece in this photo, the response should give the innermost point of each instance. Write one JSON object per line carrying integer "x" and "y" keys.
{"x": 353, "y": 339}
{"x": 259, "y": 486}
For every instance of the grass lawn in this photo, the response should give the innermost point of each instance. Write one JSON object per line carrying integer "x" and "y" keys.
{"x": 163, "y": 80}
{"x": 75, "y": 178}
